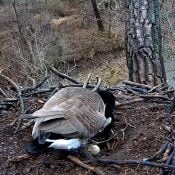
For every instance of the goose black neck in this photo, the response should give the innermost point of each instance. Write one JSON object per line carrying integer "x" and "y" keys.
{"x": 108, "y": 99}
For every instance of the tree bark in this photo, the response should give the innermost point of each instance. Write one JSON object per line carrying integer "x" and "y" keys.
{"x": 1, "y": 2}
{"x": 97, "y": 15}
{"x": 144, "y": 42}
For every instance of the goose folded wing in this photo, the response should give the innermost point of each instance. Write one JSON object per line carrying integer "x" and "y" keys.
{"x": 76, "y": 120}
{"x": 60, "y": 97}
{"x": 58, "y": 121}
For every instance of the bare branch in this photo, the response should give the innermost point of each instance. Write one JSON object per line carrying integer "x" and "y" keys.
{"x": 155, "y": 97}
{"x": 3, "y": 93}
{"x": 137, "y": 84}
{"x": 160, "y": 152}
{"x": 63, "y": 76}
{"x": 98, "y": 84}
{"x": 135, "y": 163}
{"x": 104, "y": 141}
{"x": 88, "y": 167}
{"x": 19, "y": 96}
{"x": 129, "y": 102}
{"x": 87, "y": 80}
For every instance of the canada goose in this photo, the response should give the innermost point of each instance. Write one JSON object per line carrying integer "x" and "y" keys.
{"x": 74, "y": 112}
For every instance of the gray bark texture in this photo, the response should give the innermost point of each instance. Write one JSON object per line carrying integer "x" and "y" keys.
{"x": 144, "y": 43}
{"x": 97, "y": 15}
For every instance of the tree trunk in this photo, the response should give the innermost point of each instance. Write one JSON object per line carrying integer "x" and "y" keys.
{"x": 97, "y": 15}
{"x": 1, "y": 2}
{"x": 144, "y": 43}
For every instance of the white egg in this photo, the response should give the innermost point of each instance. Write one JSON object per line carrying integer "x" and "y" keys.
{"x": 93, "y": 149}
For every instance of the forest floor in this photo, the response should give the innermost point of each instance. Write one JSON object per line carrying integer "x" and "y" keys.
{"x": 142, "y": 138}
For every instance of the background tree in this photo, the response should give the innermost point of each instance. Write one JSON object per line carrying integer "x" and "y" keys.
{"x": 143, "y": 42}
{"x": 97, "y": 15}
{"x": 1, "y": 2}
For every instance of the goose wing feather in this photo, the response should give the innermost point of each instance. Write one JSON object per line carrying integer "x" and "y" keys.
{"x": 86, "y": 96}
{"x": 70, "y": 114}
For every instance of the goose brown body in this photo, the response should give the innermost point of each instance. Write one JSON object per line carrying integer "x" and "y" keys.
{"x": 72, "y": 112}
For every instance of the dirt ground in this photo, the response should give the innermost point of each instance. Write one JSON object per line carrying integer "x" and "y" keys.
{"x": 141, "y": 139}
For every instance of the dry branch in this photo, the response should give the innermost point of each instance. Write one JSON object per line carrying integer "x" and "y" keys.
{"x": 63, "y": 76}
{"x": 19, "y": 158}
{"x": 168, "y": 162}
{"x": 129, "y": 102}
{"x": 124, "y": 129}
{"x": 3, "y": 93}
{"x": 88, "y": 167}
{"x": 160, "y": 152}
{"x": 19, "y": 93}
{"x": 41, "y": 83}
{"x": 10, "y": 81}
{"x": 104, "y": 141}
{"x": 36, "y": 86}
{"x": 136, "y": 162}
{"x": 155, "y": 88}
{"x": 87, "y": 80}
{"x": 97, "y": 85}
{"x": 155, "y": 97}
{"x": 137, "y": 84}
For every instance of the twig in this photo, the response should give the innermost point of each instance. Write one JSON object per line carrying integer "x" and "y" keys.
{"x": 36, "y": 86}
{"x": 129, "y": 102}
{"x": 171, "y": 106}
{"x": 53, "y": 92}
{"x": 164, "y": 88}
{"x": 77, "y": 85}
{"x": 136, "y": 84}
{"x": 173, "y": 163}
{"x": 135, "y": 163}
{"x": 154, "y": 97}
{"x": 127, "y": 125}
{"x": 3, "y": 113}
{"x": 6, "y": 105}
{"x": 10, "y": 81}
{"x": 160, "y": 152}
{"x": 18, "y": 95}
{"x": 87, "y": 80}
{"x": 19, "y": 158}
{"x": 63, "y": 76}
{"x": 119, "y": 88}
{"x": 10, "y": 100}
{"x": 167, "y": 152}
{"x": 132, "y": 91}
{"x": 27, "y": 125}
{"x": 97, "y": 85}
{"x": 39, "y": 91}
{"x": 155, "y": 88}
{"x": 88, "y": 167}
{"x": 3, "y": 93}
{"x": 22, "y": 109}
{"x": 104, "y": 141}
{"x": 140, "y": 90}
{"x": 41, "y": 83}
{"x": 168, "y": 162}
